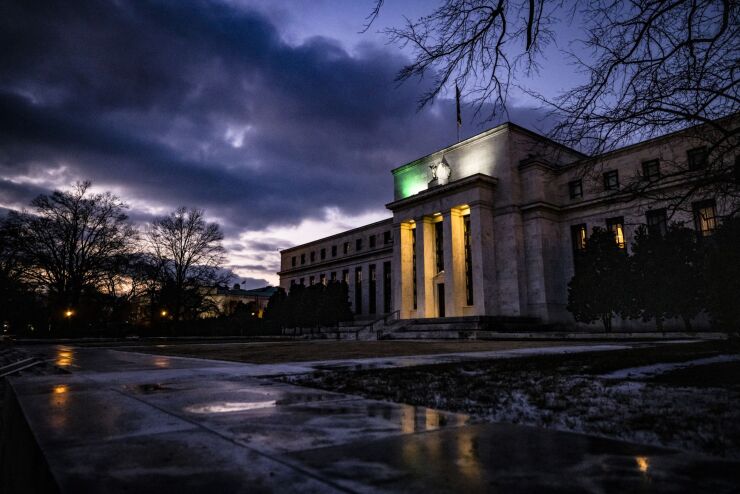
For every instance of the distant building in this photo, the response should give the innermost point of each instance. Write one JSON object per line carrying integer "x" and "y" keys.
{"x": 225, "y": 300}
{"x": 489, "y": 226}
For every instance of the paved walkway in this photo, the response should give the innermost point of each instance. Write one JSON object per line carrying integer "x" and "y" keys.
{"x": 130, "y": 422}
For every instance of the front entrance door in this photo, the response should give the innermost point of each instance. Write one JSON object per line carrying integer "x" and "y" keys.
{"x": 441, "y": 299}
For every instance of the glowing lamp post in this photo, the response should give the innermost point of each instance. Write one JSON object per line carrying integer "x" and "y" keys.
{"x": 68, "y": 316}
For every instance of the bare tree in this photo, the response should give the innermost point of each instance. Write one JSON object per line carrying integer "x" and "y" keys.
{"x": 73, "y": 241}
{"x": 651, "y": 68}
{"x": 188, "y": 253}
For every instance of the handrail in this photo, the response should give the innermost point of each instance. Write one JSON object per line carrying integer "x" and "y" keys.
{"x": 370, "y": 325}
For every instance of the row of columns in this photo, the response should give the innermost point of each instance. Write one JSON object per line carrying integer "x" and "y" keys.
{"x": 453, "y": 275}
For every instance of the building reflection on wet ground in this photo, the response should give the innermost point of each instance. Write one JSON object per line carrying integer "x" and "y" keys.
{"x": 145, "y": 423}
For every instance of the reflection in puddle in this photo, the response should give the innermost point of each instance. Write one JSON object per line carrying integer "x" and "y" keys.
{"x": 60, "y": 389}
{"x": 64, "y": 357}
{"x": 643, "y": 463}
{"x": 230, "y": 406}
{"x": 162, "y": 362}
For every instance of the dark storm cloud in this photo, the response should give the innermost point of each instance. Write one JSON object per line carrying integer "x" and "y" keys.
{"x": 203, "y": 104}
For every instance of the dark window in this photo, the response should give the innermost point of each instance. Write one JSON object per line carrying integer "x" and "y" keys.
{"x": 358, "y": 290}
{"x": 333, "y": 276}
{"x": 651, "y": 170}
{"x": 372, "y": 283}
{"x": 657, "y": 222}
{"x": 387, "y": 237}
{"x": 322, "y": 254}
{"x": 697, "y": 158}
{"x": 372, "y": 241}
{"x": 302, "y": 281}
{"x": 292, "y": 261}
{"x": 575, "y": 189}
{"x": 311, "y": 280}
{"x": 345, "y": 248}
{"x": 616, "y": 226}
{"x": 468, "y": 261}
{"x": 303, "y": 258}
{"x": 705, "y": 217}
{"x": 439, "y": 246}
{"x": 334, "y": 251}
{"x": 578, "y": 236}
{"x": 322, "y": 279}
{"x": 413, "y": 262}
{"x": 611, "y": 180}
{"x": 358, "y": 245}
{"x": 387, "y": 287}
{"x": 313, "y": 256}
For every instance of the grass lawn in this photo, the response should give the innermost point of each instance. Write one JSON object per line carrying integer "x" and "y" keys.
{"x": 302, "y": 351}
{"x": 691, "y": 408}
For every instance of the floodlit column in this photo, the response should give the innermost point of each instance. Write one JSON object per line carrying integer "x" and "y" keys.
{"x": 454, "y": 255}
{"x": 483, "y": 260}
{"x": 425, "y": 267}
{"x": 402, "y": 278}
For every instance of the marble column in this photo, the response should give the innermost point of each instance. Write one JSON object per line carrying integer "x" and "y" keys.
{"x": 402, "y": 269}
{"x": 485, "y": 289}
{"x": 454, "y": 256}
{"x": 425, "y": 267}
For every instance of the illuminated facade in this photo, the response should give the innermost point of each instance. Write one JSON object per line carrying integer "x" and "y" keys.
{"x": 489, "y": 226}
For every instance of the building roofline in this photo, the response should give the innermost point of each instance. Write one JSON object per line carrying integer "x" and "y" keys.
{"x": 337, "y": 235}
{"x": 486, "y": 133}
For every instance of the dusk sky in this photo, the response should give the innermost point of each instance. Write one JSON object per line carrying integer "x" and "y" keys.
{"x": 278, "y": 118}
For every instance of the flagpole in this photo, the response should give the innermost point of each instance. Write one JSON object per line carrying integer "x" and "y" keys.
{"x": 457, "y": 106}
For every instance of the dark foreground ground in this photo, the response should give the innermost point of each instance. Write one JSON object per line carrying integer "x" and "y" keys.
{"x": 682, "y": 396}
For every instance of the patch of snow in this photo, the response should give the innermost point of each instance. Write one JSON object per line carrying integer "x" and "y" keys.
{"x": 662, "y": 368}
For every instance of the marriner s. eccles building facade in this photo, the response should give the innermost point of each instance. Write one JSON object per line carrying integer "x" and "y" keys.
{"x": 489, "y": 227}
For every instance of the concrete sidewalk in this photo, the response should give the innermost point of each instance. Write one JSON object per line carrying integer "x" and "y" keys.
{"x": 129, "y": 422}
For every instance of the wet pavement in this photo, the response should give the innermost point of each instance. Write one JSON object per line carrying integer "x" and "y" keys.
{"x": 128, "y": 422}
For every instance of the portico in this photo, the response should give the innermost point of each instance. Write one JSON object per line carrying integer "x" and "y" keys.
{"x": 444, "y": 251}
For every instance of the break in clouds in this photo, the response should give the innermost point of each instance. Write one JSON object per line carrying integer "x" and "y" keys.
{"x": 203, "y": 104}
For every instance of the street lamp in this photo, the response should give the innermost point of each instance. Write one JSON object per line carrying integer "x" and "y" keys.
{"x": 69, "y": 313}
{"x": 163, "y": 313}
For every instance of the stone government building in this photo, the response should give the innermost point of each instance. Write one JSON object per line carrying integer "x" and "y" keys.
{"x": 488, "y": 227}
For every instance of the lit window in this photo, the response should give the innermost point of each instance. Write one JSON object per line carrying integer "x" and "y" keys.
{"x": 611, "y": 180}
{"x": 657, "y": 222}
{"x": 322, "y": 279}
{"x": 651, "y": 170}
{"x": 705, "y": 217}
{"x": 697, "y": 158}
{"x": 345, "y": 276}
{"x": 578, "y": 237}
{"x": 575, "y": 189}
{"x": 616, "y": 226}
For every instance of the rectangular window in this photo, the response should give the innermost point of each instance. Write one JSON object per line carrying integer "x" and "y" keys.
{"x": 705, "y": 217}
{"x": 302, "y": 281}
{"x": 387, "y": 237}
{"x": 334, "y": 251}
{"x": 358, "y": 290}
{"x": 616, "y": 226}
{"x": 311, "y": 280}
{"x": 372, "y": 241}
{"x": 372, "y": 302}
{"x": 651, "y": 170}
{"x": 333, "y": 276}
{"x": 657, "y": 222}
{"x": 468, "y": 261}
{"x": 322, "y": 279}
{"x": 322, "y": 254}
{"x": 575, "y": 189}
{"x": 303, "y": 258}
{"x": 387, "y": 287}
{"x": 292, "y": 261}
{"x": 345, "y": 276}
{"x": 611, "y": 180}
{"x": 358, "y": 245}
{"x": 313, "y": 256}
{"x": 345, "y": 248}
{"x": 697, "y": 158}
{"x": 578, "y": 236}
{"x": 439, "y": 246}
{"x": 413, "y": 263}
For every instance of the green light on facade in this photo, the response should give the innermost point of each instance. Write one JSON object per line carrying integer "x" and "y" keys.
{"x": 411, "y": 183}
